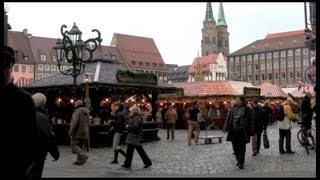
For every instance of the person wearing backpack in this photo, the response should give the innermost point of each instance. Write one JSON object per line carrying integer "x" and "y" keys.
{"x": 285, "y": 127}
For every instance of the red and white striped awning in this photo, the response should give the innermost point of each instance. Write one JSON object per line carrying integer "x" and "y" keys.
{"x": 271, "y": 90}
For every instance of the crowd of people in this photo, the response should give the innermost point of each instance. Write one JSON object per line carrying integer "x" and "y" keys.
{"x": 244, "y": 121}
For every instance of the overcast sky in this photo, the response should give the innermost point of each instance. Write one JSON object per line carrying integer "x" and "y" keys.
{"x": 175, "y": 27}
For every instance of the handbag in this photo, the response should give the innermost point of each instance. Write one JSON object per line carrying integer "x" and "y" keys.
{"x": 133, "y": 139}
{"x": 266, "y": 143}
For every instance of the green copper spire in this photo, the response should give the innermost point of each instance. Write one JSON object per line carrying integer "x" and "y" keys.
{"x": 209, "y": 14}
{"x": 221, "y": 19}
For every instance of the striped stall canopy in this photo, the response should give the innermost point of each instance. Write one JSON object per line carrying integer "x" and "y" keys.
{"x": 271, "y": 90}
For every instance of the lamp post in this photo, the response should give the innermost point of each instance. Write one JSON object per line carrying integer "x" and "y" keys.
{"x": 76, "y": 51}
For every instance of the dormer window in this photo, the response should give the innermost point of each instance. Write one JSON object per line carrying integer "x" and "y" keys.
{"x": 25, "y": 58}
{"x": 43, "y": 57}
{"x": 160, "y": 64}
{"x": 133, "y": 63}
{"x": 140, "y": 63}
{"x": 147, "y": 64}
{"x": 154, "y": 64}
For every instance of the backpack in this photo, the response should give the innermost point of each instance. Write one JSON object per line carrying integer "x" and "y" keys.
{"x": 279, "y": 113}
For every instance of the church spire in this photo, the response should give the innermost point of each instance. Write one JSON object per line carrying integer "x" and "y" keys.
{"x": 221, "y": 18}
{"x": 209, "y": 14}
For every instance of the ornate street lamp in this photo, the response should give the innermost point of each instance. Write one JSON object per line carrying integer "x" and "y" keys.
{"x": 76, "y": 51}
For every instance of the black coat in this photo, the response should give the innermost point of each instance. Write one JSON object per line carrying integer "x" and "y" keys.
{"x": 260, "y": 119}
{"x": 118, "y": 122}
{"x": 246, "y": 122}
{"x": 47, "y": 137}
{"x": 19, "y": 117}
{"x": 306, "y": 111}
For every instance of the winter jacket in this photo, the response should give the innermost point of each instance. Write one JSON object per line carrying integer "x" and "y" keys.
{"x": 47, "y": 137}
{"x": 118, "y": 122}
{"x": 79, "y": 125}
{"x": 286, "y": 124}
{"x": 260, "y": 119}
{"x": 306, "y": 111}
{"x": 171, "y": 116}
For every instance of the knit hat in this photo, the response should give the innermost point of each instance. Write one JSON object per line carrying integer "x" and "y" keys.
{"x": 78, "y": 103}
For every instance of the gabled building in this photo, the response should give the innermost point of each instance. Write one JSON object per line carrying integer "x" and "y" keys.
{"x": 178, "y": 74}
{"x": 212, "y": 67}
{"x": 280, "y": 58}
{"x": 140, "y": 54}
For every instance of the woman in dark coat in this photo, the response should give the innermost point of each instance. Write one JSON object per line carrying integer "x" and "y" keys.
{"x": 118, "y": 125}
{"x": 47, "y": 137}
{"x": 134, "y": 139}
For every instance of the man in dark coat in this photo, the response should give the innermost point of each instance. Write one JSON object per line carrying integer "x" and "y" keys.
{"x": 260, "y": 120}
{"x": 18, "y": 113}
{"x": 240, "y": 125}
{"x": 306, "y": 114}
{"x": 47, "y": 137}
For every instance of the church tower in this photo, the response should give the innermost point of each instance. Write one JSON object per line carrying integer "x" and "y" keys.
{"x": 209, "y": 33}
{"x": 215, "y": 36}
{"x": 223, "y": 34}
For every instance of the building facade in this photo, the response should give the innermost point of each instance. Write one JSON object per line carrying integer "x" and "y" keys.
{"x": 177, "y": 74}
{"x": 36, "y": 59}
{"x": 280, "y": 58}
{"x": 212, "y": 67}
{"x": 215, "y": 35}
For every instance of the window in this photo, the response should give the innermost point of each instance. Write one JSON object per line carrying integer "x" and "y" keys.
{"x": 249, "y": 78}
{"x": 237, "y": 59}
{"x": 147, "y": 64}
{"x": 305, "y": 51}
{"x": 262, "y": 56}
{"x": 305, "y": 62}
{"x": 214, "y": 41}
{"x": 47, "y": 67}
{"x": 255, "y": 57}
{"x": 249, "y": 58}
{"x": 140, "y": 63}
{"x": 40, "y": 76}
{"x": 256, "y": 67}
{"x": 291, "y": 75}
{"x": 54, "y": 58}
{"x": 257, "y": 78}
{"x": 262, "y": 77}
{"x": 282, "y": 64}
{"x": 23, "y": 68}
{"x": 275, "y": 54}
{"x": 25, "y": 58}
{"x": 262, "y": 66}
{"x": 275, "y": 65}
{"x": 243, "y": 58}
{"x": 297, "y": 52}
{"x": 16, "y": 68}
{"x": 133, "y": 63}
{"x": 270, "y": 76}
{"x": 43, "y": 57}
{"x": 40, "y": 67}
{"x": 243, "y": 68}
{"x": 283, "y": 53}
{"x": 290, "y": 52}
{"x": 231, "y": 60}
{"x": 269, "y": 55}
{"x": 249, "y": 67}
{"x": 297, "y": 63}
{"x": 30, "y": 69}
{"x": 290, "y": 63}
{"x": 46, "y": 75}
{"x": 298, "y": 75}
{"x": 206, "y": 40}
{"x": 269, "y": 65}
{"x": 219, "y": 43}
{"x": 283, "y": 75}
{"x": 237, "y": 68}
{"x": 243, "y": 78}
{"x": 154, "y": 64}
{"x": 53, "y": 67}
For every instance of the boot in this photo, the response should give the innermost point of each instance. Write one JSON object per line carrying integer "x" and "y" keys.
{"x": 115, "y": 160}
{"x": 122, "y": 152}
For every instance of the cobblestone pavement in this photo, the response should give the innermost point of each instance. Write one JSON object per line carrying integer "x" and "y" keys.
{"x": 175, "y": 158}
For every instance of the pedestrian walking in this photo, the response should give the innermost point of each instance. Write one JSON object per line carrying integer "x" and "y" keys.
{"x": 240, "y": 126}
{"x": 18, "y": 112}
{"x": 193, "y": 123}
{"x": 171, "y": 117}
{"x": 79, "y": 132}
{"x": 134, "y": 139}
{"x": 47, "y": 138}
{"x": 260, "y": 121}
{"x": 118, "y": 127}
